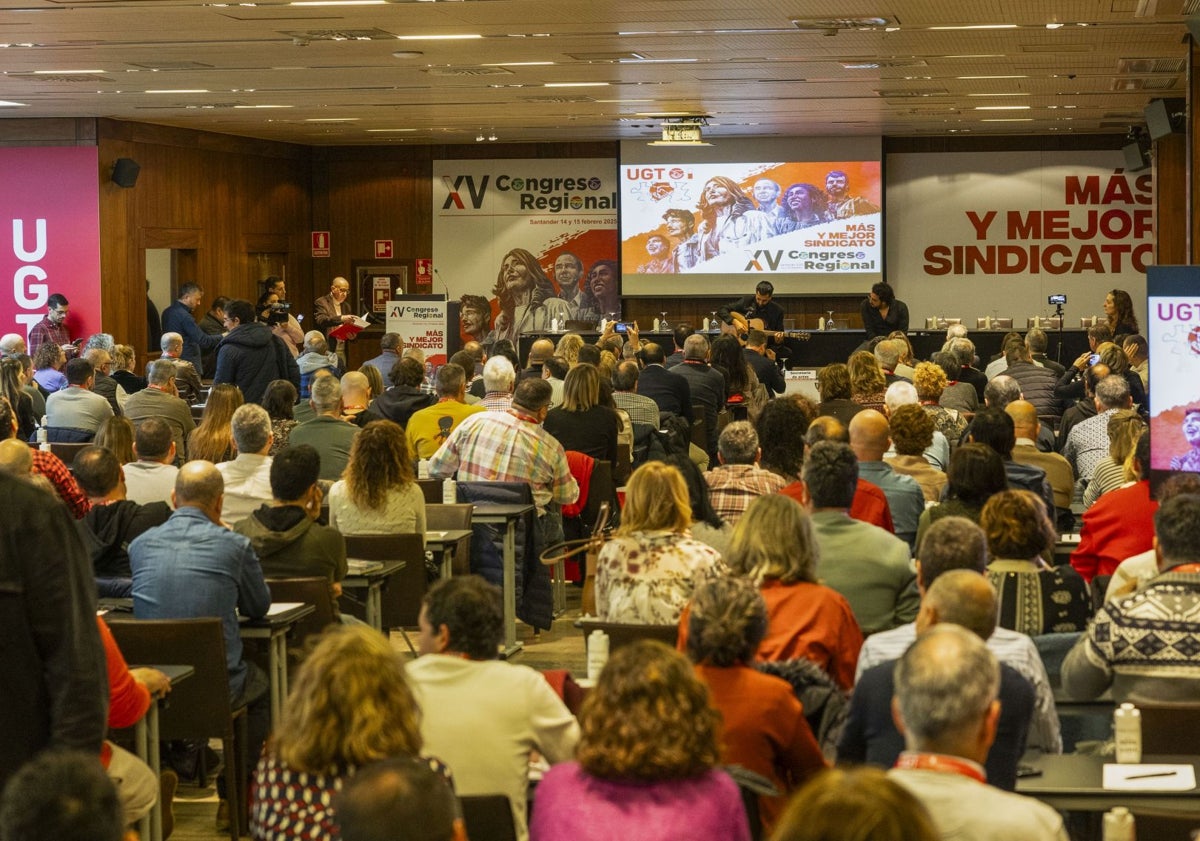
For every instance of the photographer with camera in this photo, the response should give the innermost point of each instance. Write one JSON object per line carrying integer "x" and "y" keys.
{"x": 277, "y": 314}
{"x": 291, "y": 332}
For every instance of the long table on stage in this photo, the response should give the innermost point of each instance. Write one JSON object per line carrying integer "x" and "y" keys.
{"x": 812, "y": 349}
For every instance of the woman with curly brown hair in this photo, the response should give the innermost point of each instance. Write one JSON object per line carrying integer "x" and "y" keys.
{"x": 912, "y": 433}
{"x": 1035, "y": 597}
{"x": 378, "y": 493}
{"x": 867, "y": 382}
{"x": 645, "y": 769}
{"x": 212, "y": 439}
{"x": 833, "y": 386}
{"x": 350, "y": 704}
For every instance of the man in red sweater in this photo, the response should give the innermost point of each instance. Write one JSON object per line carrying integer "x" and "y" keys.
{"x": 1120, "y": 524}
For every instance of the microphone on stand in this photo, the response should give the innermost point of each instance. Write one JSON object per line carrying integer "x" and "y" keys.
{"x": 445, "y": 288}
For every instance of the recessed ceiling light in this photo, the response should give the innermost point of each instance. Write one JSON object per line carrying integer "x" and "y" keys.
{"x": 261, "y": 106}
{"x": 1008, "y": 120}
{"x": 518, "y": 64}
{"x": 65, "y": 72}
{"x": 338, "y": 2}
{"x": 466, "y": 37}
{"x": 576, "y": 85}
{"x": 179, "y": 90}
{"x": 1002, "y": 107}
{"x": 4, "y": 103}
{"x": 991, "y": 77}
{"x": 1017, "y": 93}
{"x": 975, "y": 26}
{"x": 331, "y": 119}
{"x": 381, "y": 130}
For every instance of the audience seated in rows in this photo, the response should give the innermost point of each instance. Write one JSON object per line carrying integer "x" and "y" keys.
{"x": 326, "y": 432}
{"x": 47, "y": 465}
{"x": 187, "y": 378}
{"x": 405, "y": 396}
{"x": 247, "y": 478}
{"x": 911, "y": 431}
{"x": 76, "y": 409}
{"x": 429, "y": 428}
{"x": 1120, "y": 524}
{"x": 869, "y": 440}
{"x": 152, "y": 477}
{"x": 739, "y": 478}
{"x": 280, "y": 401}
{"x": 212, "y": 439}
{"x": 378, "y": 492}
{"x": 159, "y": 399}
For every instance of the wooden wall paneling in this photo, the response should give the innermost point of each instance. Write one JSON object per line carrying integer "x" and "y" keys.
{"x": 1171, "y": 200}
{"x": 1193, "y": 131}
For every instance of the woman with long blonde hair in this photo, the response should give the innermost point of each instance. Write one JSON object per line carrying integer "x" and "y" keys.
{"x": 349, "y": 705}
{"x": 378, "y": 493}
{"x": 647, "y": 572}
{"x": 212, "y": 439}
{"x": 867, "y": 382}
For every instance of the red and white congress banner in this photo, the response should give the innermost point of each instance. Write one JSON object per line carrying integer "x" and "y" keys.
{"x": 50, "y": 236}
{"x": 549, "y": 224}
{"x": 974, "y": 234}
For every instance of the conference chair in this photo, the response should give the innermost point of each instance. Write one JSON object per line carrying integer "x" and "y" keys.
{"x": 488, "y": 817}
{"x": 314, "y": 591}
{"x": 402, "y": 592}
{"x": 440, "y": 517}
{"x": 199, "y": 708}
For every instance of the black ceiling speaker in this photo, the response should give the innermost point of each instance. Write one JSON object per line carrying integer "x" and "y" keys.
{"x": 125, "y": 172}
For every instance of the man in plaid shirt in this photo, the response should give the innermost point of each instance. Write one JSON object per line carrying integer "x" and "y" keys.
{"x": 512, "y": 447}
{"x": 739, "y": 479}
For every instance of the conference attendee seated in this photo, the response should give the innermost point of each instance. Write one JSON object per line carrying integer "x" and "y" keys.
{"x": 398, "y": 792}
{"x": 946, "y": 703}
{"x": 1037, "y": 342}
{"x": 160, "y": 399}
{"x": 47, "y": 465}
{"x": 640, "y": 408}
{"x": 76, "y": 412}
{"x": 995, "y": 428}
{"x": 193, "y": 566}
{"x": 911, "y": 429}
{"x": 539, "y": 352}
{"x": 739, "y": 479}
{"x": 1123, "y": 648}
{"x": 1083, "y": 407}
{"x": 482, "y": 716}
{"x": 781, "y": 429}
{"x": 63, "y": 795}
{"x": 833, "y": 387}
{"x": 669, "y": 391}
{"x": 964, "y": 353}
{"x": 1120, "y": 524}
{"x": 555, "y": 370}
{"x": 901, "y": 393}
{"x": 391, "y": 345}
{"x": 102, "y": 363}
{"x": 316, "y": 357}
{"x": 113, "y": 521}
{"x": 887, "y": 354}
{"x": 350, "y": 705}
{"x": 866, "y": 564}
{"x": 187, "y": 378}
{"x": 647, "y": 572}
{"x": 152, "y": 477}
{"x": 944, "y": 400}
{"x": 1036, "y": 597}
{"x": 774, "y": 546}
{"x": 706, "y": 385}
{"x": 326, "y": 432}
{"x": 1026, "y": 428}
{"x": 1036, "y": 381}
{"x": 429, "y": 428}
{"x": 499, "y": 380}
{"x": 869, "y": 439}
{"x": 763, "y": 725}
{"x": 1124, "y": 428}
{"x": 957, "y": 543}
{"x": 647, "y": 761}
{"x": 285, "y": 534}
{"x": 378, "y": 492}
{"x": 1087, "y": 442}
{"x": 765, "y": 369}
{"x": 246, "y": 481}
{"x": 958, "y": 597}
{"x": 870, "y": 504}
{"x": 405, "y": 395}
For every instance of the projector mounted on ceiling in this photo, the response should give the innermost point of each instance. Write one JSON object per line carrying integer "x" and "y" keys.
{"x": 682, "y": 131}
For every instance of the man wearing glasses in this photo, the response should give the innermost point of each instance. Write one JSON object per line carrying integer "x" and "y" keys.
{"x": 53, "y": 328}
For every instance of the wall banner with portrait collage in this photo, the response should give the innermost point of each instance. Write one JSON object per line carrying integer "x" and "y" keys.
{"x": 524, "y": 243}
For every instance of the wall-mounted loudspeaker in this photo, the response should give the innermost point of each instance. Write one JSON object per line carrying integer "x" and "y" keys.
{"x": 125, "y": 172}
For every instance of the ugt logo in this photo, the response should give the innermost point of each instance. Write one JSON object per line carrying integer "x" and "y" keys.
{"x": 455, "y": 199}
{"x": 772, "y": 258}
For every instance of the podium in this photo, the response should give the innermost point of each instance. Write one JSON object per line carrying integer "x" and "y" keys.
{"x": 429, "y": 322}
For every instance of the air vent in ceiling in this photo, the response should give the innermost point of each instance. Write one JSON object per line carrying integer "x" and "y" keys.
{"x": 172, "y": 65}
{"x": 64, "y": 77}
{"x": 1143, "y": 66}
{"x": 882, "y": 63}
{"x": 833, "y": 25}
{"x": 609, "y": 57}
{"x": 466, "y": 70}
{"x": 557, "y": 100}
{"x": 340, "y": 35}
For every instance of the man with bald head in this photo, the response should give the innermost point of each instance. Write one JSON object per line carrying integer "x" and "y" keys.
{"x": 947, "y": 704}
{"x": 870, "y": 438}
{"x": 1027, "y": 427}
{"x": 194, "y": 566}
{"x": 12, "y": 344}
{"x": 539, "y": 352}
{"x": 960, "y": 597}
{"x": 356, "y": 398}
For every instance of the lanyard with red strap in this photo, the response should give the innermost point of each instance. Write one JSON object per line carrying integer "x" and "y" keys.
{"x": 910, "y": 761}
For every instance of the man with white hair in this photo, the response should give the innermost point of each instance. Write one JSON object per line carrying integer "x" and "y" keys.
{"x": 499, "y": 379}
{"x": 247, "y": 479}
{"x": 1087, "y": 442}
{"x": 707, "y": 385}
{"x": 887, "y": 354}
{"x": 187, "y": 378}
{"x": 390, "y": 347}
{"x": 946, "y": 703}
{"x": 12, "y": 344}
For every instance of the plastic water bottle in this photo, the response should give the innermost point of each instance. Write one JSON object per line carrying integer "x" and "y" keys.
{"x": 1127, "y": 733}
{"x": 603, "y": 324}
{"x": 1118, "y": 825}
{"x": 423, "y": 469}
{"x": 449, "y": 492}
{"x": 821, "y": 323}
{"x": 597, "y": 653}
{"x": 43, "y": 435}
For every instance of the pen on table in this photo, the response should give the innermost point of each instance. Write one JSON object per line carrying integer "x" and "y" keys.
{"x": 1151, "y": 776}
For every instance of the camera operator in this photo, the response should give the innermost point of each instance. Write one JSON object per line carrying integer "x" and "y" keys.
{"x": 276, "y": 314}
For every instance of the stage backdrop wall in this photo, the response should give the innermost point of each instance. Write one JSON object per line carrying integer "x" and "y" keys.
{"x": 975, "y": 234}
{"x": 50, "y": 227}
{"x": 484, "y": 210}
